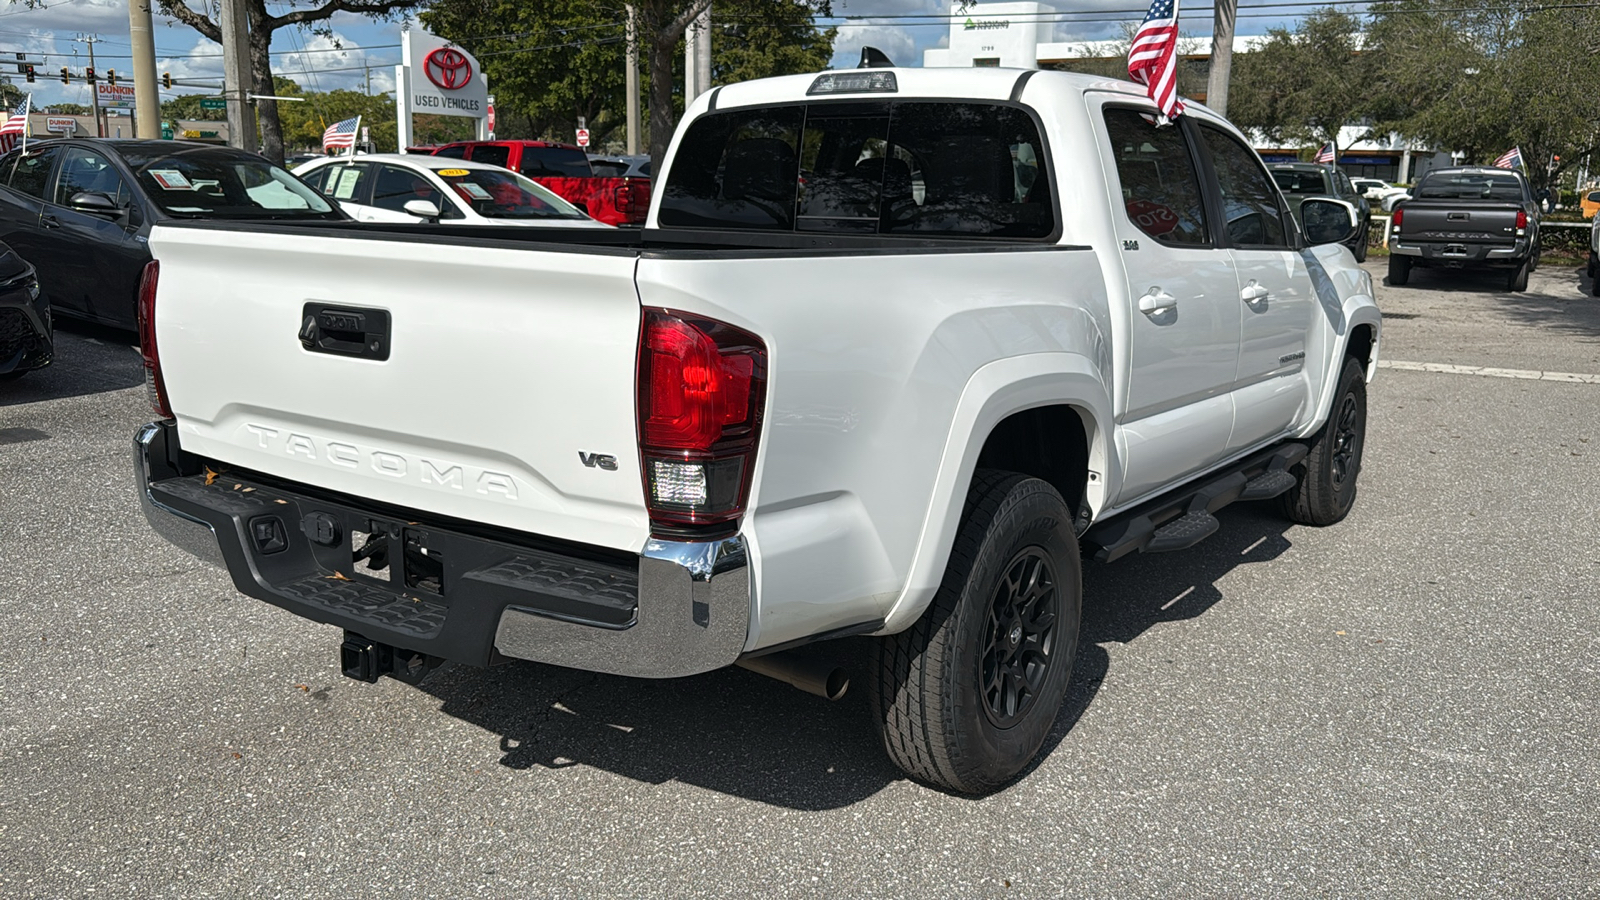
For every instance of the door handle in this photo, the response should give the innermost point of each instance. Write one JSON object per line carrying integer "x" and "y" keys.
{"x": 49, "y": 221}
{"x": 1254, "y": 293}
{"x": 1157, "y": 301}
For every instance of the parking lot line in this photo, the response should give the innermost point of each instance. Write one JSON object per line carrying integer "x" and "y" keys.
{"x": 1489, "y": 371}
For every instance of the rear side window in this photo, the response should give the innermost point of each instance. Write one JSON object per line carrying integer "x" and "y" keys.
{"x": 554, "y": 162}
{"x": 457, "y": 152}
{"x": 493, "y": 155}
{"x": 945, "y": 169}
{"x": 32, "y": 175}
{"x": 1160, "y": 188}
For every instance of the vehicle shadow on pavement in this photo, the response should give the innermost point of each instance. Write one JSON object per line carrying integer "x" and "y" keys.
{"x": 1576, "y": 315}
{"x": 745, "y": 735}
{"x": 89, "y": 359}
{"x": 1125, "y": 599}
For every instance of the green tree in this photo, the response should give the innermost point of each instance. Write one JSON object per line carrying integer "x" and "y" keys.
{"x": 1306, "y": 84}
{"x": 1481, "y": 77}
{"x": 71, "y": 109}
{"x": 304, "y": 122}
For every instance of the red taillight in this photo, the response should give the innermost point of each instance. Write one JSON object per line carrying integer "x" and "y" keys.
{"x": 154, "y": 385}
{"x": 1398, "y": 215}
{"x": 700, "y": 393}
{"x": 1522, "y": 219}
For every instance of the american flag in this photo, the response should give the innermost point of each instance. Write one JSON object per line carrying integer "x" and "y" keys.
{"x": 1152, "y": 60}
{"x": 1328, "y": 154}
{"x": 341, "y": 134}
{"x": 1511, "y": 159}
{"x": 16, "y": 125}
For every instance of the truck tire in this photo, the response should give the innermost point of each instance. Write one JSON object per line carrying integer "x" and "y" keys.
{"x": 1517, "y": 281}
{"x": 1399, "y": 269}
{"x": 1594, "y": 280}
{"x": 966, "y": 696}
{"x": 1326, "y": 479}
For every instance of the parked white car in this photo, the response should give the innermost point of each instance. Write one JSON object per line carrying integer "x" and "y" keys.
{"x": 1376, "y": 190}
{"x": 893, "y": 346}
{"x": 398, "y": 187}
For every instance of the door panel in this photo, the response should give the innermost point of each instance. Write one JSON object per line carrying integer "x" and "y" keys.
{"x": 1275, "y": 294}
{"x": 98, "y": 261}
{"x": 28, "y": 183}
{"x": 1183, "y": 310}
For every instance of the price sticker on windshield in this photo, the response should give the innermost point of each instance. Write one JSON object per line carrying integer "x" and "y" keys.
{"x": 453, "y": 173}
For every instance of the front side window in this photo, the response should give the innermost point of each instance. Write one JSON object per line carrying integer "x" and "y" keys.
{"x": 492, "y": 154}
{"x": 969, "y": 169}
{"x": 348, "y": 182}
{"x": 1160, "y": 188}
{"x": 395, "y": 187}
{"x": 89, "y": 171}
{"x": 32, "y": 174}
{"x": 1249, "y": 201}
{"x": 554, "y": 162}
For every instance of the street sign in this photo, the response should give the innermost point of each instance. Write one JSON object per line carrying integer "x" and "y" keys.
{"x": 489, "y": 119}
{"x": 213, "y": 103}
{"x": 583, "y": 137}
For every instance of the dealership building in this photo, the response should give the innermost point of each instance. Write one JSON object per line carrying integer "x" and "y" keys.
{"x": 1019, "y": 35}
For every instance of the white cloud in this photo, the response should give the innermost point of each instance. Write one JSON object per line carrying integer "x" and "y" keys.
{"x": 897, "y": 43}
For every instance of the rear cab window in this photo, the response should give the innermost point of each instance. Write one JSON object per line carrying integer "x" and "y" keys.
{"x": 554, "y": 162}
{"x": 924, "y": 168}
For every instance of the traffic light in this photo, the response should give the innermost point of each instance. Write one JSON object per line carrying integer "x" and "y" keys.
{"x": 30, "y": 74}
{"x": 65, "y": 78}
{"x": 111, "y": 77}
{"x": 88, "y": 75}
{"x": 166, "y": 80}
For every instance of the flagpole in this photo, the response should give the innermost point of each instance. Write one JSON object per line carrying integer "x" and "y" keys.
{"x": 354, "y": 134}
{"x": 27, "y": 112}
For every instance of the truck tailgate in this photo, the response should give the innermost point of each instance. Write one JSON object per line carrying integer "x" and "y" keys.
{"x": 1459, "y": 223}
{"x": 510, "y": 372}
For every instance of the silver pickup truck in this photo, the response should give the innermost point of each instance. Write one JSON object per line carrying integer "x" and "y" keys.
{"x": 894, "y": 345}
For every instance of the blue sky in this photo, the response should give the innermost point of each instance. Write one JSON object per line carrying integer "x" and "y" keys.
{"x": 315, "y": 62}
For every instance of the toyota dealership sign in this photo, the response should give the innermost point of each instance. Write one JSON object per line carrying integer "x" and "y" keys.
{"x": 444, "y": 79}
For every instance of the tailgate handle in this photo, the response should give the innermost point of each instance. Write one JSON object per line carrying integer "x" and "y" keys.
{"x": 345, "y": 330}
{"x": 1457, "y": 216}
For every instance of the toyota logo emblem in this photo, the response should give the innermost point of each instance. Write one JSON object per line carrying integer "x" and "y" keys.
{"x": 448, "y": 68}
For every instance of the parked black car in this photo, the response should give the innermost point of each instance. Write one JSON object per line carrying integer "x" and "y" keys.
{"x": 81, "y": 210}
{"x": 1298, "y": 181}
{"x": 25, "y": 328}
{"x": 1467, "y": 217}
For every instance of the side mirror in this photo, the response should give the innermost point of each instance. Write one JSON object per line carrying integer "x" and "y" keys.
{"x": 94, "y": 203}
{"x": 423, "y": 209}
{"x": 1328, "y": 221}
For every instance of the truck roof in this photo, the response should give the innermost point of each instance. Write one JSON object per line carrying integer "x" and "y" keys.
{"x": 945, "y": 83}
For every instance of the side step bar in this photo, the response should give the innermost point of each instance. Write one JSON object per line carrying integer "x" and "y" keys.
{"x": 1179, "y": 520}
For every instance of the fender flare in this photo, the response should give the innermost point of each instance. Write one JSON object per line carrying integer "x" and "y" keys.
{"x": 1358, "y": 311}
{"x": 995, "y": 391}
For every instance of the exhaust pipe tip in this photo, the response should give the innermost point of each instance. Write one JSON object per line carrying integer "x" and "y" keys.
{"x": 810, "y": 675}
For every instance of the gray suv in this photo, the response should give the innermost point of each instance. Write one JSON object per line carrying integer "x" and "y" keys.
{"x": 1298, "y": 181}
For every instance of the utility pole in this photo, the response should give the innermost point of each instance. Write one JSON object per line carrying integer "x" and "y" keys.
{"x": 697, "y": 57}
{"x": 236, "y": 79}
{"x": 146, "y": 99}
{"x": 633, "y": 81}
{"x": 1222, "y": 18}
{"x": 94, "y": 89}
{"x": 368, "y": 70}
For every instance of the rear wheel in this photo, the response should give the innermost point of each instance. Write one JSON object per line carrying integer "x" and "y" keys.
{"x": 1517, "y": 281}
{"x": 1399, "y": 269}
{"x": 966, "y": 696}
{"x": 1326, "y": 488}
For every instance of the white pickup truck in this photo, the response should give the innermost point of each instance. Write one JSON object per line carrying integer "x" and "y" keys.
{"x": 894, "y": 346}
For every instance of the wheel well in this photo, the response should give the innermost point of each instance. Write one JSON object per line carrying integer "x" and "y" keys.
{"x": 1360, "y": 345}
{"x": 1046, "y": 442}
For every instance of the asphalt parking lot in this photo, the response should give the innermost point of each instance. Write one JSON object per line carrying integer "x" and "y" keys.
{"x": 1404, "y": 704}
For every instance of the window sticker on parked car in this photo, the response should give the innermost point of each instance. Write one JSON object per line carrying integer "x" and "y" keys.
{"x": 345, "y": 187}
{"x": 171, "y": 179}
{"x": 448, "y": 173}
{"x": 473, "y": 191}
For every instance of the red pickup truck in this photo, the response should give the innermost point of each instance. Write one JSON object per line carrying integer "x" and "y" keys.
{"x": 563, "y": 168}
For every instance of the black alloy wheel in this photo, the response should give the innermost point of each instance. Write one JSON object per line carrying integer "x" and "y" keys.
{"x": 1021, "y": 637}
{"x": 1346, "y": 450}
